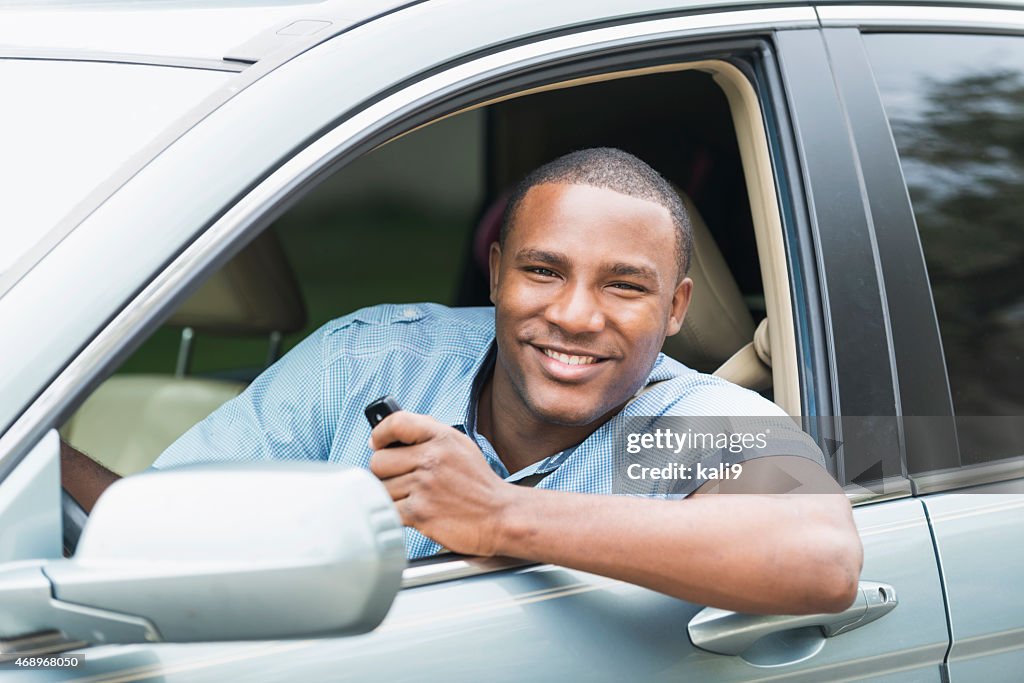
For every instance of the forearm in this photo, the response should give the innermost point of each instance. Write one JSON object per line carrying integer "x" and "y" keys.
{"x": 749, "y": 553}
{"x": 84, "y": 478}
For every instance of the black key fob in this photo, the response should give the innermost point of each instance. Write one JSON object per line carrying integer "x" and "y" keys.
{"x": 378, "y": 410}
{"x": 381, "y": 408}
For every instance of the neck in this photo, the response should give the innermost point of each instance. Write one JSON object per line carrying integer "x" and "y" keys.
{"x": 519, "y": 437}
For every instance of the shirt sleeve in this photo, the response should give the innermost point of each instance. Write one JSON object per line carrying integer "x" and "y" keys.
{"x": 699, "y": 434}
{"x": 738, "y": 412}
{"x": 278, "y": 417}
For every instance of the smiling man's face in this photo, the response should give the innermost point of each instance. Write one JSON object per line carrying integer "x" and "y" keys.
{"x": 585, "y": 290}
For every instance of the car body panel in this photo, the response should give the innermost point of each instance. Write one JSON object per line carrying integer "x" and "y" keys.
{"x": 156, "y": 31}
{"x": 979, "y": 534}
{"x": 30, "y": 506}
{"x": 547, "y": 623}
{"x": 211, "y": 30}
{"x": 95, "y": 116}
{"x": 928, "y": 16}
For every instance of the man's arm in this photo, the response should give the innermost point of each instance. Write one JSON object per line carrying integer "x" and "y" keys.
{"x": 759, "y": 554}
{"x": 82, "y": 477}
{"x": 774, "y": 554}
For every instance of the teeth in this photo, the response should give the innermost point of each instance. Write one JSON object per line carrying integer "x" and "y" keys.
{"x": 570, "y": 360}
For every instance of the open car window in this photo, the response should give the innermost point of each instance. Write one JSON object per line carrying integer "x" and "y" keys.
{"x": 412, "y": 220}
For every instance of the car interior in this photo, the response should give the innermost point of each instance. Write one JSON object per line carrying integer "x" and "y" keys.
{"x": 413, "y": 219}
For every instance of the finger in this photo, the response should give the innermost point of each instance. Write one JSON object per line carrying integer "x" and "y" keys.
{"x": 401, "y": 486}
{"x": 407, "y": 428}
{"x": 406, "y": 511}
{"x": 392, "y": 462}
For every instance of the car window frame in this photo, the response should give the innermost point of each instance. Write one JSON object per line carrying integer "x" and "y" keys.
{"x": 932, "y": 456}
{"x": 420, "y": 101}
{"x": 219, "y": 243}
{"x": 225, "y": 238}
{"x": 230, "y": 233}
{"x": 862, "y": 427}
{"x": 921, "y": 380}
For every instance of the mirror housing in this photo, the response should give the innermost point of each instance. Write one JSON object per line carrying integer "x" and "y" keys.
{"x": 221, "y": 552}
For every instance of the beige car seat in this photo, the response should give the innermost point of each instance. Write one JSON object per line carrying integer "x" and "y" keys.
{"x": 718, "y": 333}
{"x": 130, "y": 419}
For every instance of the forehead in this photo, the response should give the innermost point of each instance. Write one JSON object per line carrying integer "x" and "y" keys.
{"x": 582, "y": 220}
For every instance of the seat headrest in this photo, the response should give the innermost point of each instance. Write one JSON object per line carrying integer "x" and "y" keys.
{"x": 254, "y": 293}
{"x": 718, "y": 322}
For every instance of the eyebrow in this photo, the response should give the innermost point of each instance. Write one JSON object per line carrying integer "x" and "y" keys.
{"x": 552, "y": 258}
{"x": 629, "y": 270}
{"x": 560, "y": 260}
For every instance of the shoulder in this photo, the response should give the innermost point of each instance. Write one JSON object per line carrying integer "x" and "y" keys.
{"x": 418, "y": 328}
{"x": 675, "y": 389}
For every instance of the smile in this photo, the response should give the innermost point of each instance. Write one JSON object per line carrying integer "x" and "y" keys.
{"x": 570, "y": 360}
{"x": 570, "y": 367}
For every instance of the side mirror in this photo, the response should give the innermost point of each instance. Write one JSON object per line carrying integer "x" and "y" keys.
{"x": 217, "y": 553}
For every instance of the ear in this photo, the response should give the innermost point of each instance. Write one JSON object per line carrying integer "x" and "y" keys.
{"x": 680, "y": 302}
{"x": 494, "y": 262}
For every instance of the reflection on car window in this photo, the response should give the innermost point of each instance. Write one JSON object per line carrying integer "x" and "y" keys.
{"x": 956, "y": 107}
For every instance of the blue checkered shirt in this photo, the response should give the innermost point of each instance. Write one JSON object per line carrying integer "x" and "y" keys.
{"x": 309, "y": 405}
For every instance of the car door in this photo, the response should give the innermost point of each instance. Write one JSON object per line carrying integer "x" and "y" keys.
{"x": 469, "y": 619}
{"x": 947, "y": 84}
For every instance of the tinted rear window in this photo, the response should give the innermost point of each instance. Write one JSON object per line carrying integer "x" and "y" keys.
{"x": 956, "y": 107}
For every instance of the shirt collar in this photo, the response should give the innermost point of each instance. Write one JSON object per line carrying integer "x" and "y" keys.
{"x": 665, "y": 368}
{"x": 460, "y": 412}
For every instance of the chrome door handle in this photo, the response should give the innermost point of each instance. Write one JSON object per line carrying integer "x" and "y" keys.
{"x": 731, "y": 633}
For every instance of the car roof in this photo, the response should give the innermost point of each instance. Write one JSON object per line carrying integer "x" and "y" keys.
{"x": 182, "y": 29}
{"x": 243, "y": 30}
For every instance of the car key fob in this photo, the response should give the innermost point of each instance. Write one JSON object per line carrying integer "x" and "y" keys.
{"x": 378, "y": 410}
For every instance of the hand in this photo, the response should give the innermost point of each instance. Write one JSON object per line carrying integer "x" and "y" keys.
{"x": 440, "y": 482}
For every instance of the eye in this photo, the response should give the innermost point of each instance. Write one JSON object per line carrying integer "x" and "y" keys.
{"x": 543, "y": 272}
{"x": 628, "y": 287}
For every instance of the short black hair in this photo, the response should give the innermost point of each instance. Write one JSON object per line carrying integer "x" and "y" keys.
{"x": 612, "y": 169}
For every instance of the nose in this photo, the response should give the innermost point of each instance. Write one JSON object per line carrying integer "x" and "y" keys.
{"x": 576, "y": 310}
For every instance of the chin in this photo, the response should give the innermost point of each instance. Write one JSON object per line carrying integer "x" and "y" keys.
{"x": 563, "y": 420}
{"x": 567, "y": 415}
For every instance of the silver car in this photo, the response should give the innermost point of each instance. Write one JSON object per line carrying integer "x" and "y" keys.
{"x": 187, "y": 188}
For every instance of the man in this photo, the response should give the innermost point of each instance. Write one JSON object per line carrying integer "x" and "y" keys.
{"x": 587, "y": 279}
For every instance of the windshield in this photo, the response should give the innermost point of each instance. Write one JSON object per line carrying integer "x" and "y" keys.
{"x": 66, "y": 126}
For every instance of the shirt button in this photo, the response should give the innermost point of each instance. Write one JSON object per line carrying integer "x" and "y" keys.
{"x": 410, "y": 312}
